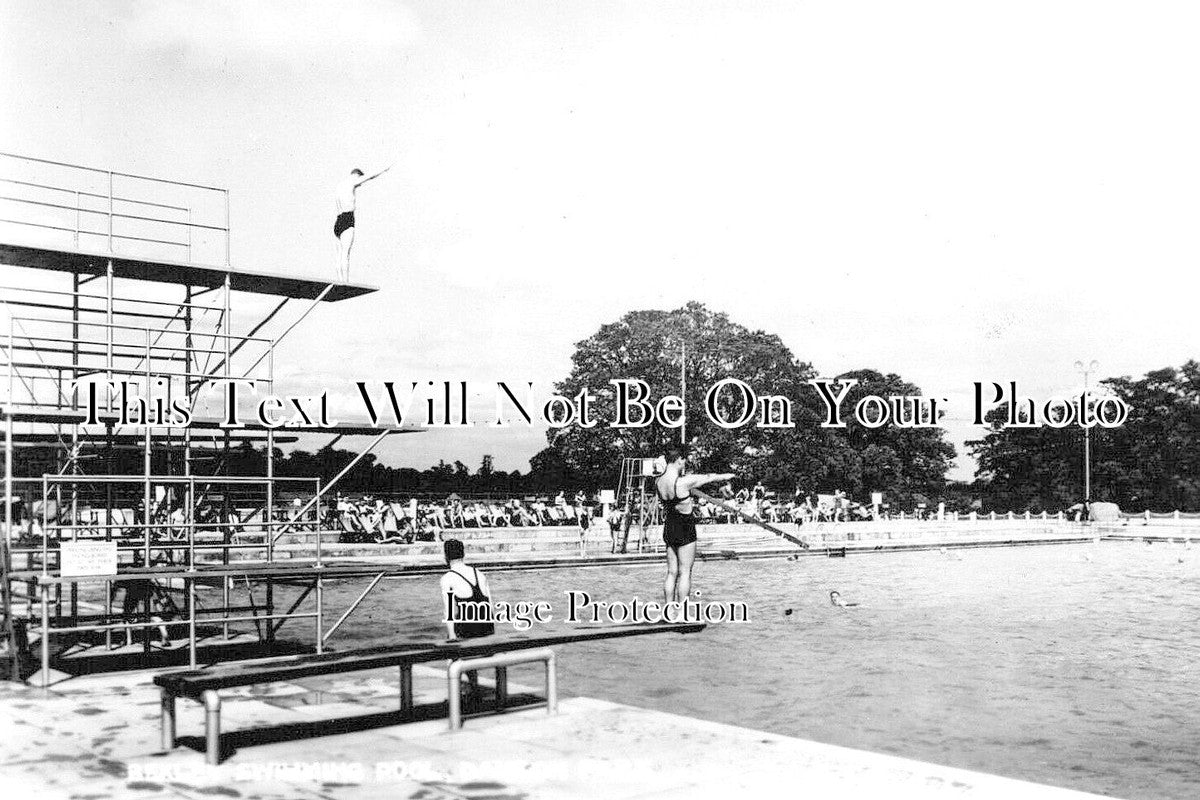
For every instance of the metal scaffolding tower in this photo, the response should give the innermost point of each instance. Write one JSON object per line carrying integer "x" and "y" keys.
{"x": 110, "y": 277}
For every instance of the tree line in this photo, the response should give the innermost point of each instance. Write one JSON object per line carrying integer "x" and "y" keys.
{"x": 1153, "y": 461}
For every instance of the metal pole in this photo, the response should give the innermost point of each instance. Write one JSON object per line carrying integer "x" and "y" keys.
{"x": 110, "y": 219}
{"x": 8, "y": 449}
{"x": 226, "y": 330}
{"x": 146, "y": 459}
{"x": 288, "y": 330}
{"x": 212, "y": 728}
{"x": 108, "y": 274}
{"x": 108, "y": 428}
{"x": 187, "y": 385}
{"x": 1087, "y": 466}
{"x": 189, "y": 520}
{"x": 1087, "y": 438}
{"x": 9, "y": 496}
{"x": 45, "y": 530}
{"x": 683, "y": 390}
{"x": 191, "y": 589}
{"x": 74, "y": 465}
{"x": 268, "y": 528}
{"x": 45, "y": 643}
{"x": 353, "y": 606}
{"x": 320, "y": 610}
{"x": 317, "y": 524}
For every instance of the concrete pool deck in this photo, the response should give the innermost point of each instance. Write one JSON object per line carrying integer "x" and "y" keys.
{"x": 97, "y": 736}
{"x": 716, "y": 543}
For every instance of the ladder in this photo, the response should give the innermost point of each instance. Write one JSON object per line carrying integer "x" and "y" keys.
{"x": 634, "y": 500}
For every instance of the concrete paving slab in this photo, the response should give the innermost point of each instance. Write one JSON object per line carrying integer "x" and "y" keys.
{"x": 97, "y": 737}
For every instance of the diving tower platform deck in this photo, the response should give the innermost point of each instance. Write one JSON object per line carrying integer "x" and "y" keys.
{"x": 177, "y": 272}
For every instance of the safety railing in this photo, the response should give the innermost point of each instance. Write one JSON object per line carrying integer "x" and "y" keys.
{"x": 119, "y": 213}
{"x": 193, "y": 520}
{"x": 44, "y": 355}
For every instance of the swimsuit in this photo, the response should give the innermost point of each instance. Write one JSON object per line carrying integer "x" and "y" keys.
{"x": 679, "y": 529}
{"x": 344, "y": 222}
{"x": 472, "y": 630}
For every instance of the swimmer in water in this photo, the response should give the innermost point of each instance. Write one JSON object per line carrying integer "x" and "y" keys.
{"x": 835, "y": 599}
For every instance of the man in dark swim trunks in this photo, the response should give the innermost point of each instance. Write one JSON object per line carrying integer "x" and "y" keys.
{"x": 343, "y": 226}
{"x": 679, "y": 528}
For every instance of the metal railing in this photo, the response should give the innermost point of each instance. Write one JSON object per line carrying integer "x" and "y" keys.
{"x": 115, "y": 208}
{"x": 44, "y": 355}
{"x": 501, "y": 662}
{"x": 193, "y": 520}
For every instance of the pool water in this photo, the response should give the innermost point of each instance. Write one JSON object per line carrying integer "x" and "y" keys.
{"x": 1072, "y": 665}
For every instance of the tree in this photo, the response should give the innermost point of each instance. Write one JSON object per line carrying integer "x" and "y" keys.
{"x": 647, "y": 345}
{"x": 1152, "y": 461}
{"x": 904, "y": 462}
{"x": 1035, "y": 469}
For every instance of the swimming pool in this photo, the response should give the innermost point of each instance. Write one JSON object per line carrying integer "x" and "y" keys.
{"x": 1073, "y": 665}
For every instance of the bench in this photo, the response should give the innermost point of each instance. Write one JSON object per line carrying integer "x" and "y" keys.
{"x": 204, "y": 685}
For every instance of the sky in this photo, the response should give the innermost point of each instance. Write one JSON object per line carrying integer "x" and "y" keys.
{"x": 951, "y": 191}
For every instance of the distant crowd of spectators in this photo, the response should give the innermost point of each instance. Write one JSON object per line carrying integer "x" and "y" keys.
{"x": 371, "y": 519}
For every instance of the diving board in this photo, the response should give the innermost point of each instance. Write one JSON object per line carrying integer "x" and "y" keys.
{"x": 204, "y": 685}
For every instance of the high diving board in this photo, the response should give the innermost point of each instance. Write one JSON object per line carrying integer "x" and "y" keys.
{"x": 178, "y": 272}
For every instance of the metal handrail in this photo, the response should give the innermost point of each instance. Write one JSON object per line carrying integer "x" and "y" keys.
{"x": 85, "y": 193}
{"x": 110, "y": 172}
{"x": 501, "y": 662}
{"x": 110, "y": 234}
{"x": 111, "y": 212}
{"x": 81, "y": 295}
{"x": 143, "y": 329}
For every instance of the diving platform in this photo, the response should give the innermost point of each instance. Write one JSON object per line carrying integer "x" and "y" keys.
{"x": 89, "y": 262}
{"x": 116, "y": 276}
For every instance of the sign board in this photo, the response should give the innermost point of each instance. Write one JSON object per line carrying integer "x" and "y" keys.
{"x": 876, "y": 498}
{"x": 608, "y": 496}
{"x": 88, "y": 558}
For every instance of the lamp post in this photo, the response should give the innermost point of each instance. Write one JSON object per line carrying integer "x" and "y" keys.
{"x": 1087, "y": 438}
{"x": 683, "y": 390}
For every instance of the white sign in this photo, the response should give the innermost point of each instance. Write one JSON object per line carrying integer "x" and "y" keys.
{"x": 608, "y": 496}
{"x": 88, "y": 558}
{"x": 876, "y": 498}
